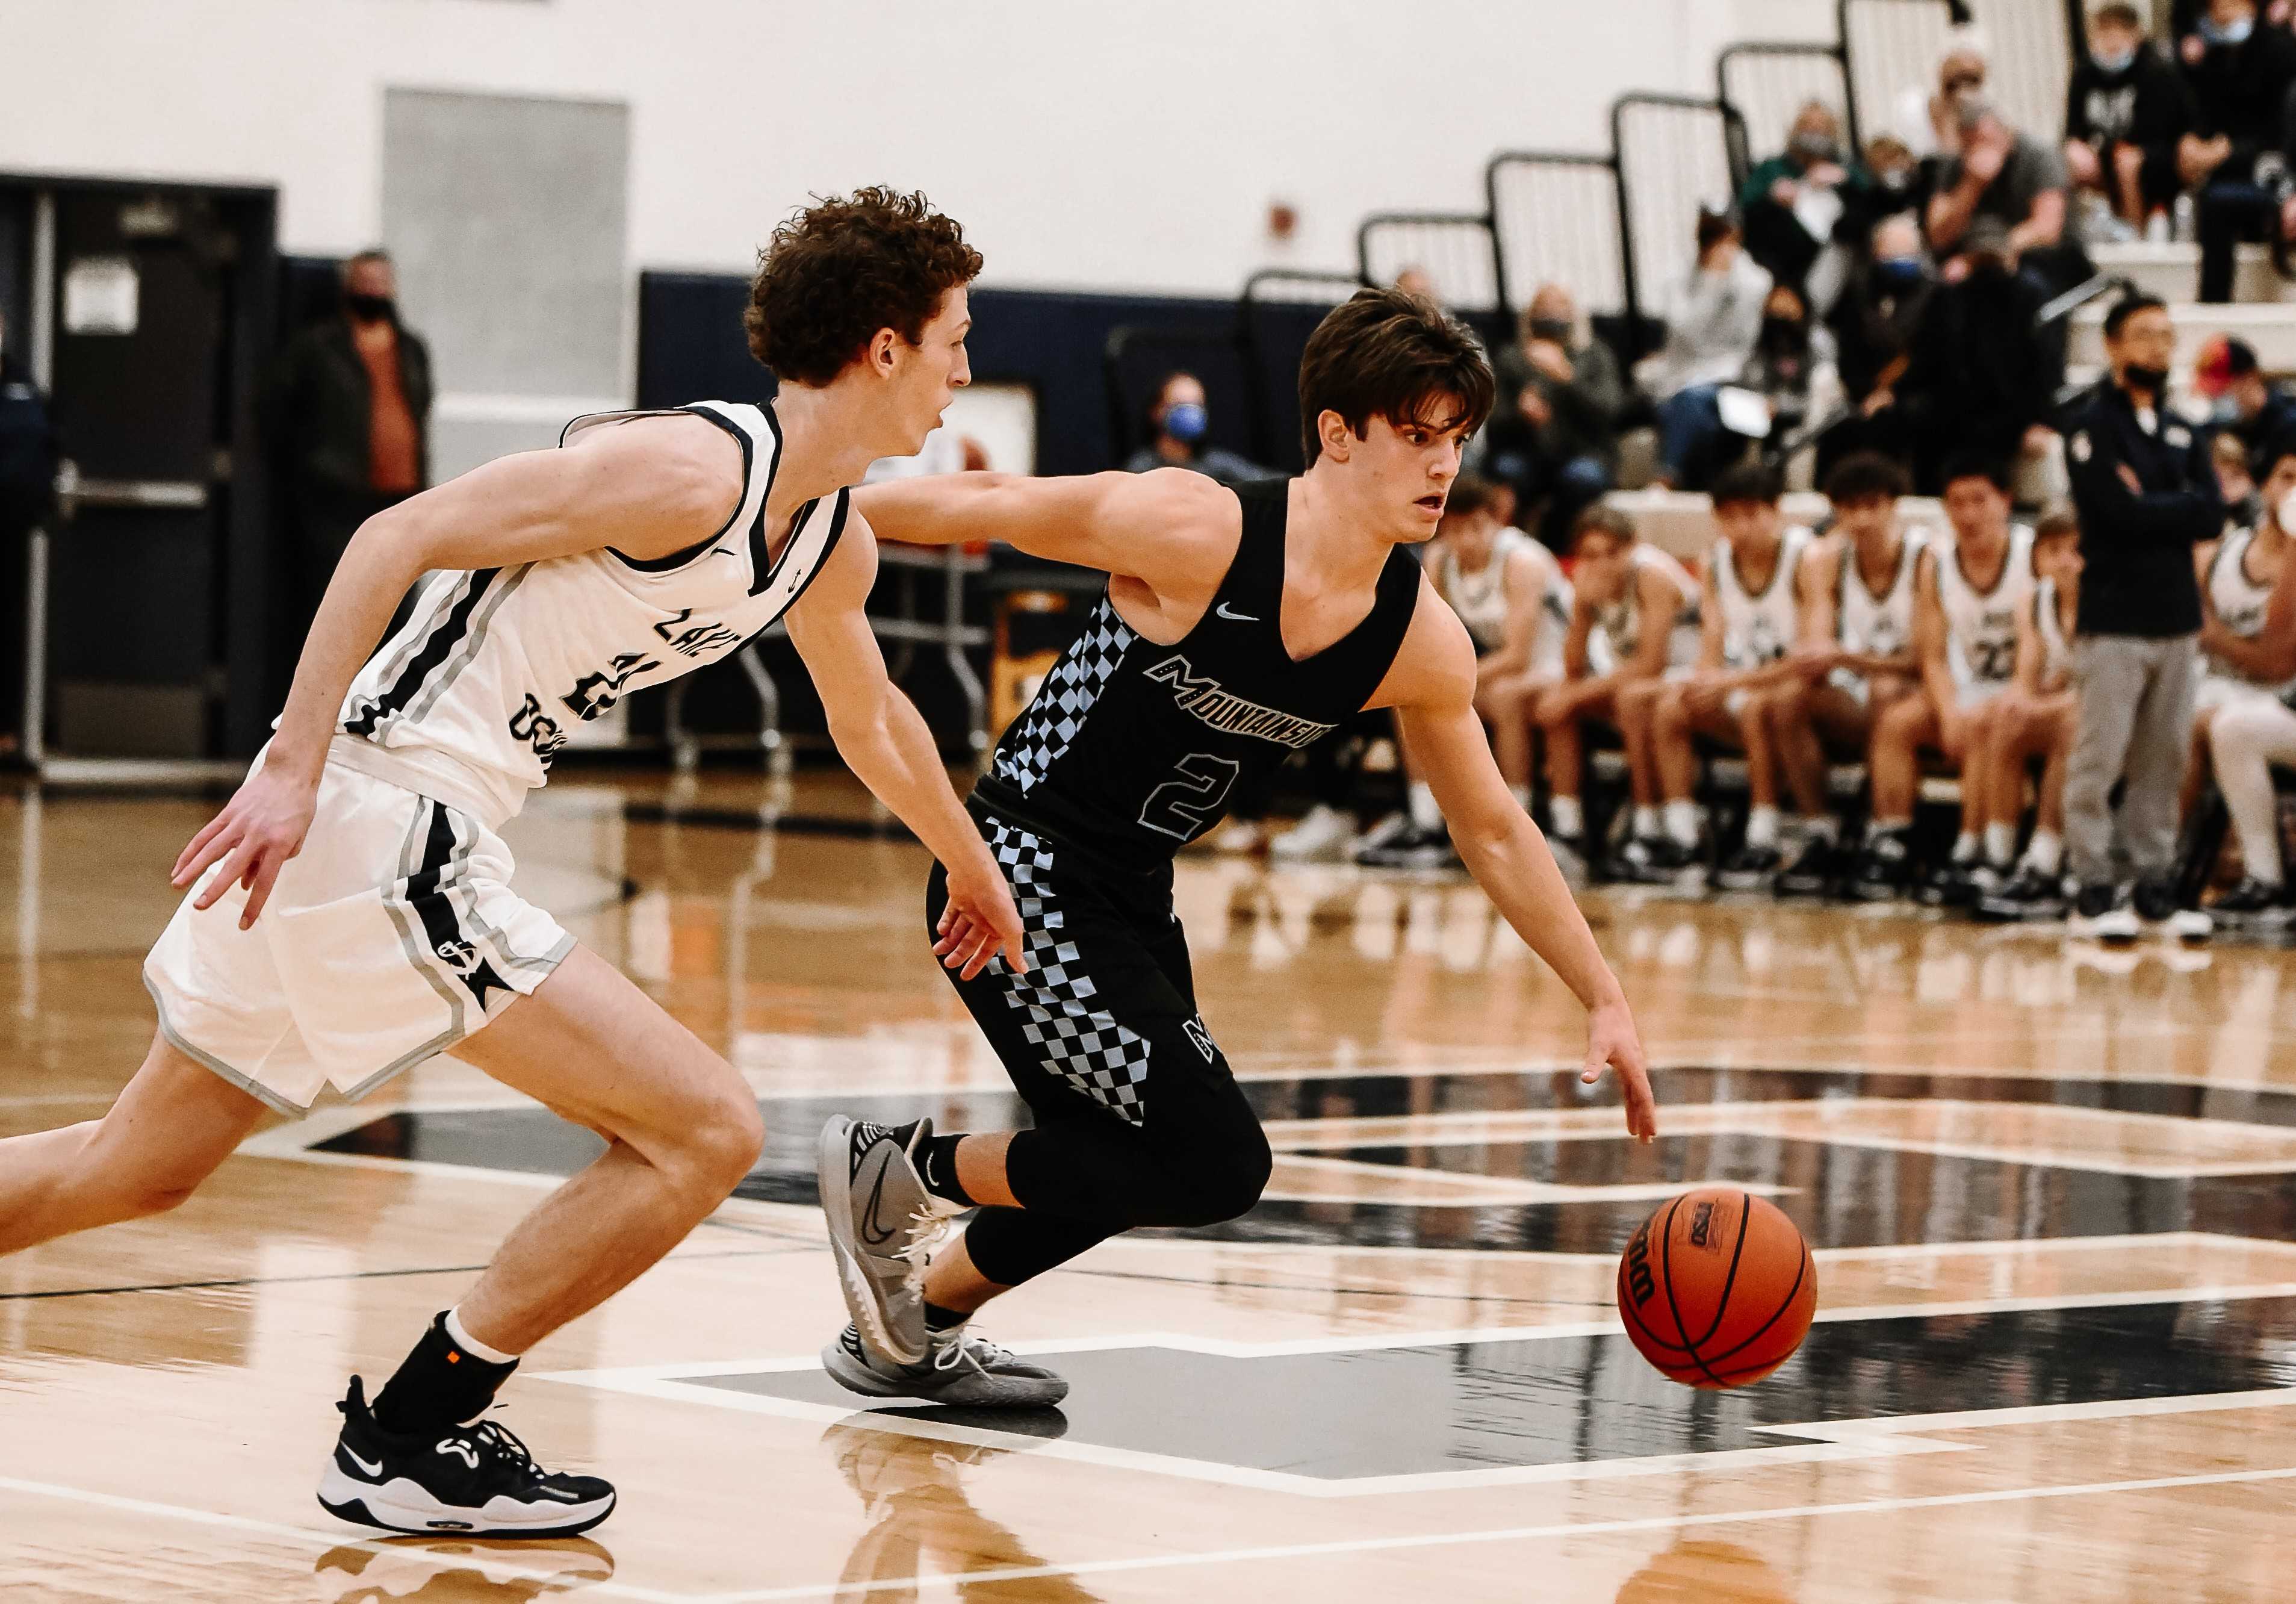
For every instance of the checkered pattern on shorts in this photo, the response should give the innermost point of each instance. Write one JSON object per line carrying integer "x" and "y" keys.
{"x": 1083, "y": 1046}
{"x": 1058, "y": 712}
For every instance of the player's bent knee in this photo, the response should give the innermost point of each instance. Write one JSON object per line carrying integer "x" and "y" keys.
{"x": 724, "y": 1148}
{"x": 1225, "y": 1183}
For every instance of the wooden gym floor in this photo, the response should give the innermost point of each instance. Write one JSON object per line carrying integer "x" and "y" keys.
{"x": 2053, "y": 1192}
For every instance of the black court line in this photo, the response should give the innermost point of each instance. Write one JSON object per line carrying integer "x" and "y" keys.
{"x": 356, "y": 1275}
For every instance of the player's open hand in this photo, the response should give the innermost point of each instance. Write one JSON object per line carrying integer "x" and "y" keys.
{"x": 1612, "y": 1042}
{"x": 261, "y": 828}
{"x": 979, "y": 922}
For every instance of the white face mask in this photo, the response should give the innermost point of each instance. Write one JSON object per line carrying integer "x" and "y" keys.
{"x": 2119, "y": 62}
{"x": 2285, "y": 513}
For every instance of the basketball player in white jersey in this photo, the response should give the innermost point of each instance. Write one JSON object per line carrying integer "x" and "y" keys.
{"x": 1633, "y": 618}
{"x": 2035, "y": 718}
{"x": 350, "y": 912}
{"x": 1854, "y": 659}
{"x": 1750, "y": 611}
{"x": 1510, "y": 592}
{"x": 1968, "y": 594}
{"x": 2248, "y": 631}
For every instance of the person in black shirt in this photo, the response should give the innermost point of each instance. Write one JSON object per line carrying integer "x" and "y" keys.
{"x": 2147, "y": 494}
{"x": 1238, "y": 624}
{"x": 2126, "y": 109}
{"x": 1979, "y": 376}
{"x": 2246, "y": 405}
{"x": 2240, "y": 76}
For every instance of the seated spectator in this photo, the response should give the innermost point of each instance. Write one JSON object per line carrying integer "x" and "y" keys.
{"x": 1416, "y": 280}
{"x": 2243, "y": 503}
{"x": 1789, "y": 379}
{"x": 1980, "y": 378}
{"x": 2035, "y": 719}
{"x": 2243, "y": 683}
{"x": 1713, "y": 321}
{"x": 1180, "y": 421}
{"x": 1930, "y": 125}
{"x": 2126, "y": 110}
{"x": 1750, "y": 617}
{"x": 1509, "y": 591}
{"x": 2002, "y": 174}
{"x": 1853, "y": 662}
{"x": 1874, "y": 324}
{"x": 1794, "y": 203}
{"x": 2240, "y": 75}
{"x": 1897, "y": 187}
{"x": 1554, "y": 433}
{"x": 1633, "y": 622}
{"x": 2247, "y": 405}
{"x": 1967, "y": 598}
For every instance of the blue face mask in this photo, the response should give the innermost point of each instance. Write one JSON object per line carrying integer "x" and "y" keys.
{"x": 1186, "y": 422}
{"x": 2225, "y": 411}
{"x": 1898, "y": 272}
{"x": 2227, "y": 33}
{"x": 2115, "y": 64}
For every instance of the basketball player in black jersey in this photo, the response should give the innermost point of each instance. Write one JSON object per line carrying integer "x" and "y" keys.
{"x": 1238, "y": 626}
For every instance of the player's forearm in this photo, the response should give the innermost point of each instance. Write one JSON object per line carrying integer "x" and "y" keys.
{"x": 1509, "y": 858}
{"x": 942, "y": 509}
{"x": 378, "y": 565}
{"x": 891, "y": 751}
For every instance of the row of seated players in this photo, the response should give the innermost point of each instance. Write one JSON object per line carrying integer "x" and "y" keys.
{"x": 1871, "y": 643}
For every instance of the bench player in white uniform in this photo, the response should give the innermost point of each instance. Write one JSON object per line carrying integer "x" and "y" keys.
{"x": 1854, "y": 659}
{"x": 2035, "y": 719}
{"x": 1634, "y": 626}
{"x": 350, "y": 912}
{"x": 1752, "y": 610}
{"x": 1969, "y": 593}
{"x": 1510, "y": 594}
{"x": 2248, "y": 631}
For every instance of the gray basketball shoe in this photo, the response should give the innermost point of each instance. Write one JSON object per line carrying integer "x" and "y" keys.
{"x": 882, "y": 1223}
{"x": 962, "y": 1369}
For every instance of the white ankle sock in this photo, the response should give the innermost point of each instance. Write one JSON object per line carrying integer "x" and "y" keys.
{"x": 1681, "y": 822}
{"x": 1424, "y": 813}
{"x": 463, "y": 1339}
{"x": 1965, "y": 847}
{"x": 2000, "y": 844}
{"x": 1563, "y": 812}
{"x": 1762, "y": 828}
{"x": 1817, "y": 827}
{"x": 1521, "y": 795}
{"x": 1645, "y": 822}
{"x": 2045, "y": 851}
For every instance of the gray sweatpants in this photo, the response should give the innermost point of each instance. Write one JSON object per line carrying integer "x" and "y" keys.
{"x": 2135, "y": 723}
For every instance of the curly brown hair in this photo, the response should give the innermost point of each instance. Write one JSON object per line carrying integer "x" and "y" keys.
{"x": 835, "y": 273}
{"x": 1390, "y": 354}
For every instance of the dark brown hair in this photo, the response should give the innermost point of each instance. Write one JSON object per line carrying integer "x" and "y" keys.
{"x": 834, "y": 274}
{"x": 1390, "y": 354}
{"x": 1864, "y": 475}
{"x": 2059, "y": 520}
{"x": 1748, "y": 483}
{"x": 1470, "y": 493}
{"x": 1600, "y": 520}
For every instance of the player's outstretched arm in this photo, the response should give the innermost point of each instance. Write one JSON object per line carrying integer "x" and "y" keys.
{"x": 648, "y": 488}
{"x": 884, "y": 741}
{"x": 1431, "y": 689}
{"x": 1149, "y": 526}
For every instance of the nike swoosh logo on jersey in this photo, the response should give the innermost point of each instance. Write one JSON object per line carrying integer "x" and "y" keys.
{"x": 1238, "y": 618}
{"x": 373, "y": 1469}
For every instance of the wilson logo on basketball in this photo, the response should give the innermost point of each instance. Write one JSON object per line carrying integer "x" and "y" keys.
{"x": 1699, "y": 1225}
{"x": 1640, "y": 1282}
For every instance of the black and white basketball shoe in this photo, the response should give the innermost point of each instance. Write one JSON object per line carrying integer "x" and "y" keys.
{"x": 882, "y": 1224}
{"x": 963, "y": 1369}
{"x": 478, "y": 1480}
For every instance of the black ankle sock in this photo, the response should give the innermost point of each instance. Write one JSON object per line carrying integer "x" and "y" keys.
{"x": 937, "y": 1319}
{"x": 937, "y": 1163}
{"x": 439, "y": 1386}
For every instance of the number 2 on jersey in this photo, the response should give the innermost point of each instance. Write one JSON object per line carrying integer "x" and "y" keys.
{"x": 1185, "y": 806}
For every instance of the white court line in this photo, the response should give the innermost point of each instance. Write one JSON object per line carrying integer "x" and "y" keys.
{"x": 1593, "y": 1528}
{"x": 493, "y": 1560}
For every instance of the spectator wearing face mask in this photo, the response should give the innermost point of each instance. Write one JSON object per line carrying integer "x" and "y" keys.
{"x": 2244, "y": 406}
{"x": 1181, "y": 421}
{"x": 1796, "y": 203}
{"x": 2001, "y": 174}
{"x": 1929, "y": 123}
{"x": 2126, "y": 110}
{"x": 1712, "y": 322}
{"x": 1787, "y": 379}
{"x": 2241, "y": 72}
{"x": 1873, "y": 325}
{"x": 346, "y": 414}
{"x": 1554, "y": 434}
{"x": 1980, "y": 378}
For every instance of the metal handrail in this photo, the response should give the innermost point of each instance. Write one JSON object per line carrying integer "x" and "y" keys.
{"x": 1837, "y": 52}
{"x": 1585, "y": 159}
{"x": 1734, "y": 140}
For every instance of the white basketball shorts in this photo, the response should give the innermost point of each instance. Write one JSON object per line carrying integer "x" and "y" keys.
{"x": 2218, "y": 691}
{"x": 391, "y": 936}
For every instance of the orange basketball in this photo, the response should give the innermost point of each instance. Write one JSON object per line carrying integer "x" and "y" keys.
{"x": 1717, "y": 1289}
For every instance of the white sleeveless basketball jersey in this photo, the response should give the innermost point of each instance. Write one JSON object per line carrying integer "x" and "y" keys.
{"x": 2049, "y": 624}
{"x": 1871, "y": 625}
{"x": 2239, "y": 602}
{"x": 1620, "y": 620}
{"x": 1480, "y": 600}
{"x": 1757, "y": 626}
{"x": 470, "y": 701}
{"x": 1981, "y": 626}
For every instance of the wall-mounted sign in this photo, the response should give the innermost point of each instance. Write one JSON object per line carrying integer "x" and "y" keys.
{"x": 100, "y": 295}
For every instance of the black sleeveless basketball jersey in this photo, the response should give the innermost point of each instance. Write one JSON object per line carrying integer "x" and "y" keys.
{"x": 1132, "y": 750}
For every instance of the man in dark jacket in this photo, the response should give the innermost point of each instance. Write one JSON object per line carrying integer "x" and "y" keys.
{"x": 2147, "y": 494}
{"x": 1554, "y": 434}
{"x": 1980, "y": 378}
{"x": 2239, "y": 73}
{"x": 347, "y": 419}
{"x": 2126, "y": 109}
